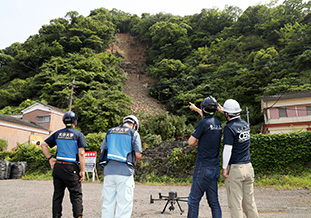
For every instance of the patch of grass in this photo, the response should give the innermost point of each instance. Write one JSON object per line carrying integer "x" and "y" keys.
{"x": 153, "y": 179}
{"x": 38, "y": 176}
{"x": 283, "y": 182}
{"x": 48, "y": 176}
{"x": 278, "y": 181}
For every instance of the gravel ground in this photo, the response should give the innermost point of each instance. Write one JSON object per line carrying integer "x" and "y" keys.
{"x": 20, "y": 198}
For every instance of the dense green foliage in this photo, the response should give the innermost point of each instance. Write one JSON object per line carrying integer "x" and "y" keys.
{"x": 281, "y": 153}
{"x": 263, "y": 51}
{"x": 68, "y": 48}
{"x": 275, "y": 154}
{"x": 244, "y": 55}
{"x": 168, "y": 127}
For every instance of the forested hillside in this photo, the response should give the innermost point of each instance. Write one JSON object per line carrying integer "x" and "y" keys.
{"x": 245, "y": 55}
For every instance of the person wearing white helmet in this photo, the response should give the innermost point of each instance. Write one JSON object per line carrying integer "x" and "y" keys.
{"x": 121, "y": 149}
{"x": 237, "y": 167}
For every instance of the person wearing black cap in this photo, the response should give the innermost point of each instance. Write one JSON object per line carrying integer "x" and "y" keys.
{"x": 68, "y": 166}
{"x": 121, "y": 149}
{"x": 207, "y": 136}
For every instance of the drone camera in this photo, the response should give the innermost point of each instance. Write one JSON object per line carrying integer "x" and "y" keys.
{"x": 170, "y": 199}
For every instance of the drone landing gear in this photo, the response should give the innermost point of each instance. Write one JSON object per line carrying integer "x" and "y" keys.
{"x": 170, "y": 199}
{"x": 172, "y": 206}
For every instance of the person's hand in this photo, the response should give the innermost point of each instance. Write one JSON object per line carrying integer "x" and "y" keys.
{"x": 52, "y": 162}
{"x": 192, "y": 106}
{"x": 220, "y": 108}
{"x": 195, "y": 108}
{"x": 81, "y": 176}
{"x": 225, "y": 173}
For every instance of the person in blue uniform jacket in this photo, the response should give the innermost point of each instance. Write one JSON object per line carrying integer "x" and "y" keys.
{"x": 207, "y": 136}
{"x": 237, "y": 166}
{"x": 122, "y": 149}
{"x": 68, "y": 166}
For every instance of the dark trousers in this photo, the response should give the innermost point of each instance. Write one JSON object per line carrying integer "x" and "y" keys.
{"x": 67, "y": 176}
{"x": 204, "y": 181}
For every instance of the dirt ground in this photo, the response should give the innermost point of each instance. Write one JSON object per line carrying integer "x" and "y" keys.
{"x": 137, "y": 84}
{"x": 20, "y": 198}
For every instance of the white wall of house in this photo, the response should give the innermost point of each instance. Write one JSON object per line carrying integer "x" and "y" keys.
{"x": 15, "y": 133}
{"x": 46, "y": 119}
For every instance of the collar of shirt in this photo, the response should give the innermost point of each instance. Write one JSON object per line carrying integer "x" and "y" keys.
{"x": 234, "y": 118}
{"x": 208, "y": 116}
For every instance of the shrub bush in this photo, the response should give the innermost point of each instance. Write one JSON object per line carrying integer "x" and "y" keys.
{"x": 33, "y": 155}
{"x": 151, "y": 140}
{"x": 288, "y": 153}
{"x": 3, "y": 144}
{"x": 4, "y": 154}
{"x": 281, "y": 153}
{"x": 94, "y": 141}
{"x": 168, "y": 126}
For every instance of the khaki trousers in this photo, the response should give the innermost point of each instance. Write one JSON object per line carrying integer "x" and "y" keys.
{"x": 240, "y": 191}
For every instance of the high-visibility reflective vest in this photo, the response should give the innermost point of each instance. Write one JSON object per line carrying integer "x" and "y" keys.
{"x": 67, "y": 146}
{"x": 119, "y": 146}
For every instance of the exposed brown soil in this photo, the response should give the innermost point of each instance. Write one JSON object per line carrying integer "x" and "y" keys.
{"x": 138, "y": 83}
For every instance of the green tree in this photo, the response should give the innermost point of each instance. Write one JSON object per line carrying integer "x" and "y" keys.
{"x": 101, "y": 110}
{"x": 169, "y": 40}
{"x": 207, "y": 24}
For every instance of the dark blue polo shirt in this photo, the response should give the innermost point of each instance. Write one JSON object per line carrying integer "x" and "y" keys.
{"x": 208, "y": 132}
{"x": 237, "y": 134}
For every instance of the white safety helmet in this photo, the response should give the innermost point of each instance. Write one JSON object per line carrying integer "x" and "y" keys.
{"x": 131, "y": 119}
{"x": 232, "y": 107}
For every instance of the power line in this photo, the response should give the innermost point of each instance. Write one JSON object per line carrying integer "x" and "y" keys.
{"x": 25, "y": 65}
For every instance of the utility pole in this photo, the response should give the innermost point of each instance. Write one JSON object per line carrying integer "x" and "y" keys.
{"x": 72, "y": 87}
{"x": 247, "y": 112}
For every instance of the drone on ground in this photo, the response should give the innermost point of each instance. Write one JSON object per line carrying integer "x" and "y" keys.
{"x": 171, "y": 198}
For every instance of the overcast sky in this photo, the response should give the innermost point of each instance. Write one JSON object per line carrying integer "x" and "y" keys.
{"x": 20, "y": 19}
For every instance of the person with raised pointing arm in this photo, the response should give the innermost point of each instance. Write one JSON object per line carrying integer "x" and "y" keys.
{"x": 207, "y": 136}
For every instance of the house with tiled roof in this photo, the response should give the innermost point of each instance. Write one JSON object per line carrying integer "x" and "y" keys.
{"x": 287, "y": 112}
{"x": 35, "y": 124}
